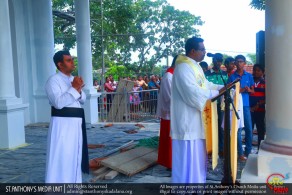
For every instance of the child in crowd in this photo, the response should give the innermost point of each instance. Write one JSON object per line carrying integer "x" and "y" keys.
{"x": 257, "y": 102}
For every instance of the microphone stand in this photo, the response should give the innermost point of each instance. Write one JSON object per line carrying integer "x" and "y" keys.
{"x": 227, "y": 178}
{"x": 231, "y": 100}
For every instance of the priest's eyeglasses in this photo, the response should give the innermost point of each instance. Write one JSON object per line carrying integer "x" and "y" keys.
{"x": 201, "y": 49}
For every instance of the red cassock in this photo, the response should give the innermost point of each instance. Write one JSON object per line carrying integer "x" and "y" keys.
{"x": 165, "y": 149}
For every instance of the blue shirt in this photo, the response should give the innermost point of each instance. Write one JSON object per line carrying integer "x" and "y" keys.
{"x": 151, "y": 85}
{"x": 245, "y": 80}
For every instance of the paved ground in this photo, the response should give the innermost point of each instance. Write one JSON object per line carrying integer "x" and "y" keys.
{"x": 27, "y": 164}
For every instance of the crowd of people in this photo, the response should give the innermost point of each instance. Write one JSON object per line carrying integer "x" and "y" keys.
{"x": 253, "y": 97}
{"x": 142, "y": 81}
{"x": 143, "y": 94}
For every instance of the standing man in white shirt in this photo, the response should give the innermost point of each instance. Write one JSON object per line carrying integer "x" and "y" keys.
{"x": 113, "y": 82}
{"x": 67, "y": 152}
{"x": 163, "y": 112}
{"x": 189, "y": 94}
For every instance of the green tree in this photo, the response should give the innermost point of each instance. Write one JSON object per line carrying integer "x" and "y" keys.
{"x": 119, "y": 72}
{"x": 151, "y": 29}
{"x": 226, "y": 56}
{"x": 64, "y": 27}
{"x": 75, "y": 72}
{"x": 258, "y": 4}
{"x": 157, "y": 70}
{"x": 166, "y": 29}
{"x": 251, "y": 58}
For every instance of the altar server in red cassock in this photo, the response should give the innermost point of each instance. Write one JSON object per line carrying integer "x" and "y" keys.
{"x": 163, "y": 111}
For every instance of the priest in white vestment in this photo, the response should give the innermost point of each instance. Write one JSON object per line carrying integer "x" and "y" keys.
{"x": 65, "y": 136}
{"x": 189, "y": 94}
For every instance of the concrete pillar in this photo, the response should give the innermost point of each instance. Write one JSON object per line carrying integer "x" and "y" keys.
{"x": 11, "y": 107}
{"x": 21, "y": 54}
{"x": 84, "y": 56}
{"x": 43, "y": 52}
{"x": 275, "y": 154}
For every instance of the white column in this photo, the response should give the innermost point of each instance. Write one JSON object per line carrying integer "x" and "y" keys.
{"x": 6, "y": 63}
{"x": 21, "y": 54}
{"x": 11, "y": 107}
{"x": 82, "y": 19}
{"x": 43, "y": 52}
{"x": 275, "y": 154}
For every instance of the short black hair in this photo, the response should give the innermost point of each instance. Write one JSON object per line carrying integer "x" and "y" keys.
{"x": 204, "y": 64}
{"x": 58, "y": 57}
{"x": 228, "y": 60}
{"x": 217, "y": 57}
{"x": 262, "y": 68}
{"x": 193, "y": 43}
{"x": 240, "y": 57}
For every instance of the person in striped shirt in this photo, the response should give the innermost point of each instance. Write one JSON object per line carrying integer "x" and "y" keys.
{"x": 257, "y": 102}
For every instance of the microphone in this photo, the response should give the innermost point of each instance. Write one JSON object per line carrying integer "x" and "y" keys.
{"x": 210, "y": 55}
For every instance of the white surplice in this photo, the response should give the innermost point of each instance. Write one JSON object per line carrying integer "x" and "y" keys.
{"x": 188, "y": 100}
{"x": 163, "y": 104}
{"x": 64, "y": 147}
{"x": 163, "y": 112}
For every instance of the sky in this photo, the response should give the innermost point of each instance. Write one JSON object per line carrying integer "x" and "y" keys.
{"x": 230, "y": 25}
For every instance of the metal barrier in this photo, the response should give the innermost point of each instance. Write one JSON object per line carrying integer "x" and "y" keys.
{"x": 134, "y": 106}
